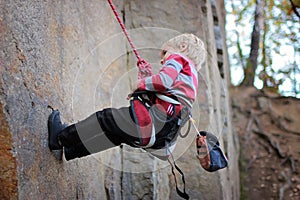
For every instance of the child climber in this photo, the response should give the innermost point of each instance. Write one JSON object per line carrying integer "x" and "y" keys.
{"x": 159, "y": 106}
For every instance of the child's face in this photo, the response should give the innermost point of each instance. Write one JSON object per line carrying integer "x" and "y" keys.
{"x": 166, "y": 51}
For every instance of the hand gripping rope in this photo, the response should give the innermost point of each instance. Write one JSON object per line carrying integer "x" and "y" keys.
{"x": 145, "y": 68}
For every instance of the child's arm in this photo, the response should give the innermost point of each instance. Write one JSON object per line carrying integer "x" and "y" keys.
{"x": 166, "y": 76}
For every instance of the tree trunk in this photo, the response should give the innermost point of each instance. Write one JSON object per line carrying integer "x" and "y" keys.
{"x": 249, "y": 71}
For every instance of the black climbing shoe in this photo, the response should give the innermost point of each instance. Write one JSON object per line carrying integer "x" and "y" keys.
{"x": 54, "y": 127}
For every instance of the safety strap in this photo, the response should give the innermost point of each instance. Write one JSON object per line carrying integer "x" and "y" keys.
{"x": 145, "y": 69}
{"x": 167, "y": 99}
{"x": 182, "y": 193}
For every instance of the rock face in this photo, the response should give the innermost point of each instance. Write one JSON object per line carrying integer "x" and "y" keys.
{"x": 72, "y": 56}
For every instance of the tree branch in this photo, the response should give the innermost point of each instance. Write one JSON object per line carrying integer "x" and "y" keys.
{"x": 274, "y": 143}
{"x": 295, "y": 9}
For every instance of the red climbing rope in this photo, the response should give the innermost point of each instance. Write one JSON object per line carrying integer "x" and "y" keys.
{"x": 145, "y": 68}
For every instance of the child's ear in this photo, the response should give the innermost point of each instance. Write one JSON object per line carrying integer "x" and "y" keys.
{"x": 183, "y": 46}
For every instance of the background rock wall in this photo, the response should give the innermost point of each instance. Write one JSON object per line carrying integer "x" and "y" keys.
{"x": 70, "y": 55}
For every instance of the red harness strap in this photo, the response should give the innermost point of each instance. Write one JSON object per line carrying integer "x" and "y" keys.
{"x": 145, "y": 68}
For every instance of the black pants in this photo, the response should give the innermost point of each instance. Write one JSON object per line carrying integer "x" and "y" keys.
{"x": 109, "y": 128}
{"x": 102, "y": 130}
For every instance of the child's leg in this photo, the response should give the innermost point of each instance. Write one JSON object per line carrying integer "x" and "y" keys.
{"x": 82, "y": 132}
{"x": 103, "y": 130}
{"x": 76, "y": 151}
{"x": 118, "y": 125}
{"x": 86, "y": 148}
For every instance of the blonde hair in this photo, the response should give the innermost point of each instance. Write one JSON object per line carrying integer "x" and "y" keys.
{"x": 190, "y": 46}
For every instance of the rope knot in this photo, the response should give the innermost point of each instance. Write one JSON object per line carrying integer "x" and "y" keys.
{"x": 145, "y": 68}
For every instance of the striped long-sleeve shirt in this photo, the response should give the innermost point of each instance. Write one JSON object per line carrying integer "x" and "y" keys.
{"x": 177, "y": 77}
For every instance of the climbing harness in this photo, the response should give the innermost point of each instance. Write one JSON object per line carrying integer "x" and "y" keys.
{"x": 145, "y": 68}
{"x": 145, "y": 127}
{"x": 141, "y": 102}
